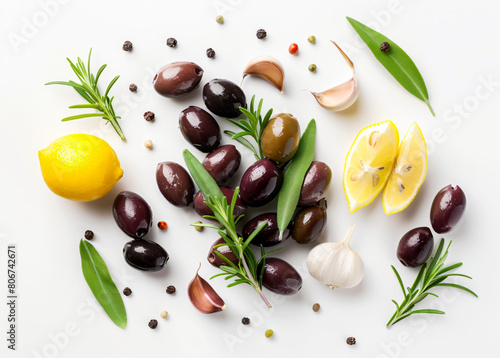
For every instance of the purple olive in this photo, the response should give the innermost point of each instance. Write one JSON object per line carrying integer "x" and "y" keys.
{"x": 202, "y": 209}
{"x": 309, "y": 222}
{"x": 175, "y": 183}
{"x": 224, "y": 98}
{"x": 145, "y": 255}
{"x": 260, "y": 183}
{"x": 225, "y": 251}
{"x": 177, "y": 78}
{"x": 269, "y": 235}
{"x": 316, "y": 181}
{"x": 280, "y": 277}
{"x": 447, "y": 208}
{"x": 199, "y": 128}
{"x": 415, "y": 247}
{"x": 222, "y": 163}
{"x": 132, "y": 214}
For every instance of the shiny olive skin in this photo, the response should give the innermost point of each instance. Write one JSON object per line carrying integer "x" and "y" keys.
{"x": 415, "y": 247}
{"x": 175, "y": 183}
{"x": 217, "y": 261}
{"x": 145, "y": 255}
{"x": 280, "y": 138}
{"x": 223, "y": 98}
{"x": 269, "y": 235}
{"x": 260, "y": 183}
{"x": 177, "y": 79}
{"x": 316, "y": 181}
{"x": 132, "y": 214}
{"x": 447, "y": 208}
{"x": 222, "y": 163}
{"x": 199, "y": 128}
{"x": 280, "y": 277}
{"x": 309, "y": 222}
{"x": 202, "y": 209}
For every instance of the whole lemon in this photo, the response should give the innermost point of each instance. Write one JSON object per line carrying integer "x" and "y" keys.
{"x": 80, "y": 167}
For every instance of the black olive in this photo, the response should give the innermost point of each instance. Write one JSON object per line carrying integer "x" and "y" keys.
{"x": 145, "y": 255}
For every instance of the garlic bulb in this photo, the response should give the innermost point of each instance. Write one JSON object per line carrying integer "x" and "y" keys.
{"x": 335, "y": 264}
{"x": 268, "y": 68}
{"x": 203, "y": 296}
{"x": 342, "y": 96}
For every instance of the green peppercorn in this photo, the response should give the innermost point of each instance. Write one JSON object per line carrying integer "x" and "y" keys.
{"x": 198, "y": 228}
{"x": 312, "y": 67}
{"x": 269, "y": 333}
{"x": 219, "y": 19}
{"x": 312, "y": 39}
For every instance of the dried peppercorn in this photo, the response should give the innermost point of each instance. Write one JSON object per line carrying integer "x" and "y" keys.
{"x": 89, "y": 234}
{"x": 127, "y": 291}
{"x": 293, "y": 49}
{"x": 132, "y": 87}
{"x": 198, "y": 228}
{"x": 219, "y": 19}
{"x": 153, "y": 324}
{"x": 148, "y": 144}
{"x": 316, "y": 307}
{"x": 149, "y": 116}
{"x": 171, "y": 290}
{"x": 351, "y": 341}
{"x": 210, "y": 53}
{"x": 171, "y": 42}
{"x": 163, "y": 314}
{"x": 312, "y": 39}
{"x": 312, "y": 67}
{"x": 385, "y": 47}
{"x": 269, "y": 333}
{"x": 127, "y": 46}
{"x": 162, "y": 225}
{"x": 261, "y": 34}
{"x": 245, "y": 321}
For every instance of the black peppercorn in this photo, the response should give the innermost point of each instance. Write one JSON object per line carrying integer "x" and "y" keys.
{"x": 351, "y": 341}
{"x": 261, "y": 33}
{"x": 245, "y": 321}
{"x": 210, "y": 53}
{"x": 149, "y": 116}
{"x": 153, "y": 324}
{"x": 127, "y": 46}
{"x": 127, "y": 291}
{"x": 385, "y": 47}
{"x": 133, "y": 88}
{"x": 170, "y": 289}
{"x": 89, "y": 234}
{"x": 171, "y": 42}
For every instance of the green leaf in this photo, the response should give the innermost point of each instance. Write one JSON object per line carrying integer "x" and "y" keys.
{"x": 399, "y": 280}
{"x": 460, "y": 287}
{"x": 294, "y": 177}
{"x": 111, "y": 85}
{"x": 79, "y": 116}
{"x": 396, "y": 61}
{"x": 430, "y": 311}
{"x": 202, "y": 178}
{"x": 102, "y": 286}
{"x": 245, "y": 142}
{"x": 94, "y": 106}
{"x": 254, "y": 233}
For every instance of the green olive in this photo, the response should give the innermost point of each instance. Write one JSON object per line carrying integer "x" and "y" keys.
{"x": 280, "y": 138}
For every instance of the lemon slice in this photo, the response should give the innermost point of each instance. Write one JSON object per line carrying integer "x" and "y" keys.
{"x": 408, "y": 173}
{"x": 369, "y": 163}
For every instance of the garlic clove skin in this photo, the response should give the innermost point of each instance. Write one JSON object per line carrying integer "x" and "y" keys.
{"x": 203, "y": 296}
{"x": 342, "y": 96}
{"x": 335, "y": 264}
{"x": 267, "y": 68}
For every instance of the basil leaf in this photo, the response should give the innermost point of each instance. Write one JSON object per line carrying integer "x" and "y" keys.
{"x": 396, "y": 61}
{"x": 104, "y": 289}
{"x": 294, "y": 177}
{"x": 202, "y": 178}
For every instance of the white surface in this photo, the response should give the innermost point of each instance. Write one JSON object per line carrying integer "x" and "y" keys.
{"x": 455, "y": 46}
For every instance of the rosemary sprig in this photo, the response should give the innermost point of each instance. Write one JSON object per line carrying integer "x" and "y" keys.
{"x": 432, "y": 274}
{"x": 252, "y": 126}
{"x": 87, "y": 88}
{"x": 248, "y": 270}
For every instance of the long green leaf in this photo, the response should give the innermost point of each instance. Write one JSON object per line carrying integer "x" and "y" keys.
{"x": 79, "y": 116}
{"x": 396, "y": 61}
{"x": 294, "y": 177}
{"x": 101, "y": 284}
{"x": 202, "y": 178}
{"x": 399, "y": 280}
{"x": 460, "y": 287}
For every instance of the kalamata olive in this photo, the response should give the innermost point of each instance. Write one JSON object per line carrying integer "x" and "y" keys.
{"x": 132, "y": 214}
{"x": 222, "y": 163}
{"x": 316, "y": 181}
{"x": 260, "y": 183}
{"x": 447, "y": 208}
{"x": 202, "y": 209}
{"x": 175, "y": 183}
{"x": 415, "y": 247}
{"x": 280, "y": 138}
{"x": 224, "y": 250}
{"x": 145, "y": 255}
{"x": 269, "y": 235}
{"x": 309, "y": 222}
{"x": 199, "y": 128}
{"x": 177, "y": 78}
{"x": 223, "y": 98}
{"x": 280, "y": 277}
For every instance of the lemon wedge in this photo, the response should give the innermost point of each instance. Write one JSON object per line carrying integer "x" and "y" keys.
{"x": 408, "y": 173}
{"x": 369, "y": 163}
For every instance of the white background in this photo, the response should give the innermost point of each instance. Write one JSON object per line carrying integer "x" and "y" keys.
{"x": 454, "y": 44}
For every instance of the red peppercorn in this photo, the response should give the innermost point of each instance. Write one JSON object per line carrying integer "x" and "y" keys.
{"x": 293, "y": 49}
{"x": 162, "y": 225}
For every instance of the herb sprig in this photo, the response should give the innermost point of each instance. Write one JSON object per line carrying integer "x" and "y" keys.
{"x": 432, "y": 274}
{"x": 252, "y": 126}
{"x": 249, "y": 270}
{"x": 87, "y": 88}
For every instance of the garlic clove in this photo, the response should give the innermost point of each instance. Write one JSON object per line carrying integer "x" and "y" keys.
{"x": 267, "y": 68}
{"x": 203, "y": 296}
{"x": 342, "y": 96}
